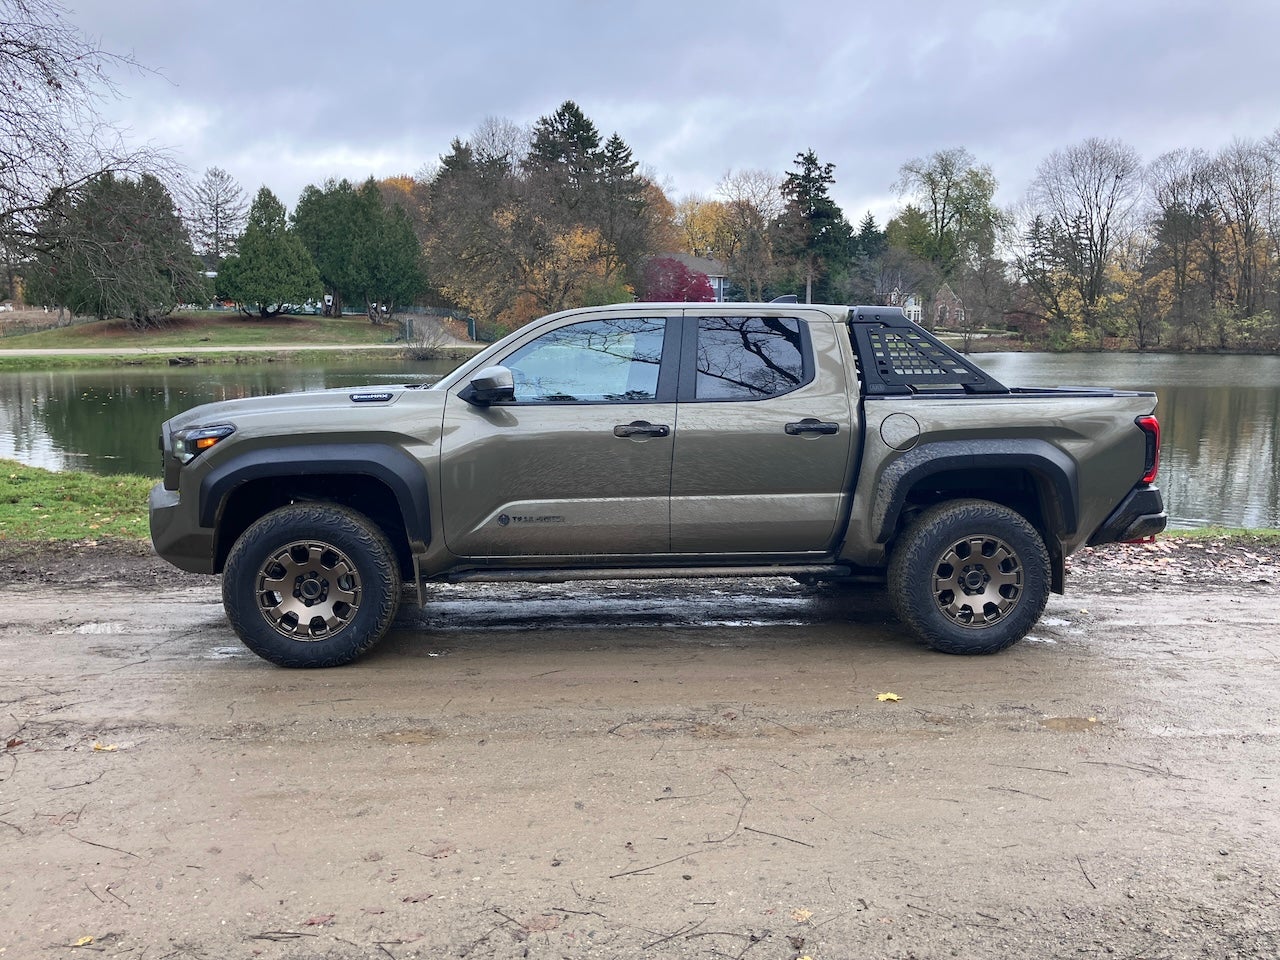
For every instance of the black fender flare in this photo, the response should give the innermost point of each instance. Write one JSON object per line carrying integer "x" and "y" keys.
{"x": 1050, "y": 465}
{"x": 395, "y": 468}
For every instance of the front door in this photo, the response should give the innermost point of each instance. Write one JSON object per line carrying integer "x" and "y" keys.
{"x": 579, "y": 463}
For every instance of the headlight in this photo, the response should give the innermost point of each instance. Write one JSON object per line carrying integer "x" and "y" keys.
{"x": 189, "y": 443}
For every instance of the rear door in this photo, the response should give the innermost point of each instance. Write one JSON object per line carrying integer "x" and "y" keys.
{"x": 766, "y": 428}
{"x": 579, "y": 463}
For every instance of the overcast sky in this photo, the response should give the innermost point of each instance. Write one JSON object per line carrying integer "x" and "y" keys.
{"x": 286, "y": 93}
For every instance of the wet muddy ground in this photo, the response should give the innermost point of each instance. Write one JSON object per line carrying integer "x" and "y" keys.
{"x": 669, "y": 769}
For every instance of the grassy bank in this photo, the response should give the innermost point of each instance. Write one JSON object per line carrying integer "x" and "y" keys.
{"x": 210, "y": 337}
{"x": 38, "y": 504}
{"x": 207, "y": 328}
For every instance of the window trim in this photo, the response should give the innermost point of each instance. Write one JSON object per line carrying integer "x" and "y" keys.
{"x": 689, "y": 358}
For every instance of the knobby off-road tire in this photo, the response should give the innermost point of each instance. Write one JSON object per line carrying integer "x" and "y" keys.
{"x": 969, "y": 577}
{"x": 311, "y": 585}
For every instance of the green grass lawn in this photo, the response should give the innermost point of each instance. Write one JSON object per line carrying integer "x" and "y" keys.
{"x": 38, "y": 504}
{"x": 208, "y": 329}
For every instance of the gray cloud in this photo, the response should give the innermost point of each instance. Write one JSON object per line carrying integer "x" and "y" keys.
{"x": 289, "y": 93}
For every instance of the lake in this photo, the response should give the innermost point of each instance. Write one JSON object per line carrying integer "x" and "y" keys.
{"x": 1220, "y": 415}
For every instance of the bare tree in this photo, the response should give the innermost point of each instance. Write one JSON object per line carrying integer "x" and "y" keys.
{"x": 500, "y": 139}
{"x": 1087, "y": 195}
{"x": 1272, "y": 148}
{"x": 1183, "y": 229}
{"x": 753, "y": 201}
{"x": 1243, "y": 185}
{"x": 53, "y": 138}
{"x": 216, "y": 212}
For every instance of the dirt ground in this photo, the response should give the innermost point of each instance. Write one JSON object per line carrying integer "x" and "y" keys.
{"x": 669, "y": 769}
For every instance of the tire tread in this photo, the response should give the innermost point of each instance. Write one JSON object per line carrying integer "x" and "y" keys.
{"x": 379, "y": 586}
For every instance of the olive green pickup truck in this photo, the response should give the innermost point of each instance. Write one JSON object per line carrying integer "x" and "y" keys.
{"x": 650, "y": 440}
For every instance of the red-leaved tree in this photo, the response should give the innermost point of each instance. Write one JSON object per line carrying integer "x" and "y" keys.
{"x": 667, "y": 279}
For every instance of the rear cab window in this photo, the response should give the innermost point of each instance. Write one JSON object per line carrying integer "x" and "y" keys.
{"x": 748, "y": 358}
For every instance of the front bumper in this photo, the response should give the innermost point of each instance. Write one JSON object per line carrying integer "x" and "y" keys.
{"x": 1140, "y": 514}
{"x": 175, "y": 536}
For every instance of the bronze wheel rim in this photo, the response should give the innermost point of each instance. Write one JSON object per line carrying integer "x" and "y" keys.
{"x": 977, "y": 581}
{"x": 308, "y": 590}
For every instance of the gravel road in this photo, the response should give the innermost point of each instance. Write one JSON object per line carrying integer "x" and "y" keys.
{"x": 669, "y": 769}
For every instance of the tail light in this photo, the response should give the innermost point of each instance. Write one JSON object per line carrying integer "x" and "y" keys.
{"x": 1151, "y": 466}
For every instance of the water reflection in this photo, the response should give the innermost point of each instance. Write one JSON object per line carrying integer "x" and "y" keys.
{"x": 1221, "y": 455}
{"x": 108, "y": 421}
{"x": 1220, "y": 459}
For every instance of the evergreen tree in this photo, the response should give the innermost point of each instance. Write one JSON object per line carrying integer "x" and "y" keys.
{"x": 388, "y": 260}
{"x": 564, "y": 157}
{"x": 870, "y": 241}
{"x": 273, "y": 267}
{"x": 365, "y": 250}
{"x": 812, "y": 230}
{"x": 621, "y": 213}
{"x": 325, "y": 221}
{"x": 117, "y": 248}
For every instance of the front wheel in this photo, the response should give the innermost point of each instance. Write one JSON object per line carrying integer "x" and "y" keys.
{"x": 969, "y": 577}
{"x": 311, "y": 585}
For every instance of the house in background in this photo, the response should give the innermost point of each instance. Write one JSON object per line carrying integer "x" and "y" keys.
{"x": 948, "y": 309}
{"x": 716, "y": 272}
{"x": 911, "y": 304}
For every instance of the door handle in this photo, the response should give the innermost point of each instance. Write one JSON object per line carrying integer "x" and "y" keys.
{"x": 811, "y": 425}
{"x": 642, "y": 428}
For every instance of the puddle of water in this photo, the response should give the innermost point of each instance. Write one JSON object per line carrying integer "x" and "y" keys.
{"x": 99, "y": 628}
{"x": 1070, "y": 724}
{"x": 226, "y": 653}
{"x": 1054, "y": 622}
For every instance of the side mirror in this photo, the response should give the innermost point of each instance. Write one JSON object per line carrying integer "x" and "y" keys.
{"x": 490, "y": 385}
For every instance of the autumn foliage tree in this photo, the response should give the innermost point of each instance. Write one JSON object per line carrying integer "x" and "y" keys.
{"x": 523, "y": 227}
{"x": 668, "y": 280}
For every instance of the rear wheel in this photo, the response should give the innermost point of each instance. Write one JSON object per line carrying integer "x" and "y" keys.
{"x": 311, "y": 585}
{"x": 969, "y": 577}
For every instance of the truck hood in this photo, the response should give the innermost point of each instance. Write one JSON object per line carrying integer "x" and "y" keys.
{"x": 337, "y": 407}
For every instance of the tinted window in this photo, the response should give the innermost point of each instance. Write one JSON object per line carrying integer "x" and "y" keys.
{"x": 595, "y": 361}
{"x": 748, "y": 358}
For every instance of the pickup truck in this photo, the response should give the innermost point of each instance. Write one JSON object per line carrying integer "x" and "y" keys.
{"x": 648, "y": 440}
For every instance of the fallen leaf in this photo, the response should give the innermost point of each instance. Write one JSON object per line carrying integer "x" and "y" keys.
{"x": 83, "y": 942}
{"x": 541, "y": 924}
{"x": 319, "y": 920}
{"x": 105, "y": 747}
{"x": 420, "y": 898}
{"x": 15, "y": 742}
{"x": 374, "y": 911}
{"x": 891, "y": 697}
{"x": 801, "y": 915}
